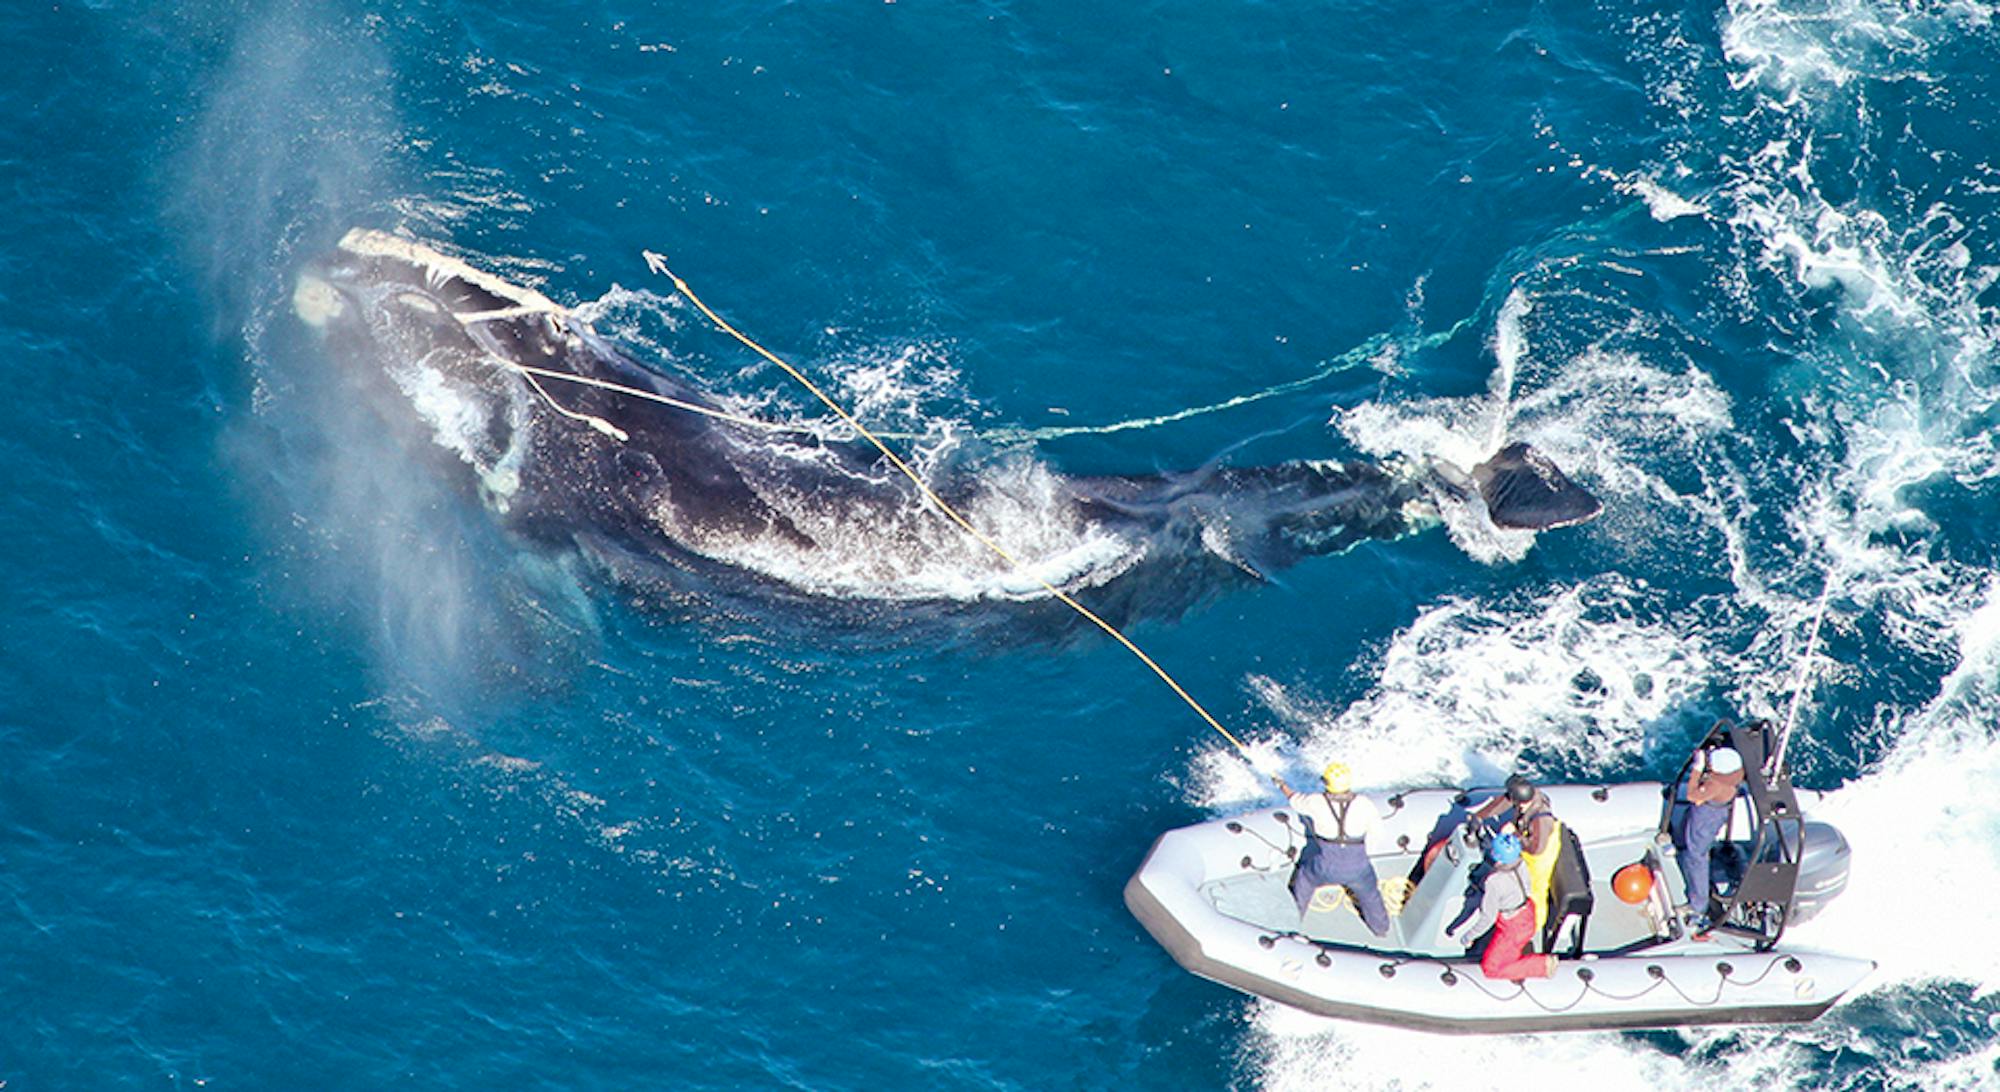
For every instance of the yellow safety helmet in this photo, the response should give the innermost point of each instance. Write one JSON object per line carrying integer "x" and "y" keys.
{"x": 1337, "y": 776}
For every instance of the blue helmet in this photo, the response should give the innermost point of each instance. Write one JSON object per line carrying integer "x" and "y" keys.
{"x": 1506, "y": 848}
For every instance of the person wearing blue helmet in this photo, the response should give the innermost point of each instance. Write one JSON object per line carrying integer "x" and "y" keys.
{"x": 1507, "y": 908}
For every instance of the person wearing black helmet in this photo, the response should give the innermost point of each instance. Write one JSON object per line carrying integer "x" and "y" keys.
{"x": 1540, "y": 833}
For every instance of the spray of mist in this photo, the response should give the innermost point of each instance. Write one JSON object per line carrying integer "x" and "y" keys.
{"x": 297, "y": 140}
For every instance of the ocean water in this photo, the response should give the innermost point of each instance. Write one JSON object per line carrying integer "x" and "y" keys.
{"x": 314, "y": 778}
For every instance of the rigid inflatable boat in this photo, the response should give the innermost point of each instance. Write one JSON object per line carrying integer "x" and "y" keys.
{"x": 1216, "y": 895}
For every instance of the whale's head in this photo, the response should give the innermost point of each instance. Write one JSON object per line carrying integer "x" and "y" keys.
{"x": 445, "y": 350}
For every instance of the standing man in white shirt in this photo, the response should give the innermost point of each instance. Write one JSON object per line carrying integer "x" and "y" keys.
{"x": 1337, "y": 823}
{"x": 1710, "y": 794}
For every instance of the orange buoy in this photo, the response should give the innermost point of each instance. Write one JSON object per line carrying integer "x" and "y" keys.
{"x": 1633, "y": 883}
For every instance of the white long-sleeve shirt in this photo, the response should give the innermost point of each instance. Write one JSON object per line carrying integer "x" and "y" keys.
{"x": 1361, "y": 815}
{"x": 1506, "y": 890}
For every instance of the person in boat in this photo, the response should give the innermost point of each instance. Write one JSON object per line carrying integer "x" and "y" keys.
{"x": 1505, "y": 907}
{"x": 1534, "y": 822}
{"x": 1337, "y": 823}
{"x": 1711, "y": 792}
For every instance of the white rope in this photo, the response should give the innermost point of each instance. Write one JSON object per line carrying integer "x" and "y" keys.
{"x": 637, "y": 392}
{"x": 1359, "y": 354}
{"x": 499, "y": 314}
{"x": 598, "y": 423}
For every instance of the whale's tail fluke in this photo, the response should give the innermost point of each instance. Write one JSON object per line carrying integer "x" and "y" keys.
{"x": 1263, "y": 518}
{"x": 1523, "y": 490}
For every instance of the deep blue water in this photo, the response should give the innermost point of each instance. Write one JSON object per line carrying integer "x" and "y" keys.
{"x": 314, "y": 778}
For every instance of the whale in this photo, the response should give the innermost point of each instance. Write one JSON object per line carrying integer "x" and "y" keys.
{"x": 572, "y": 442}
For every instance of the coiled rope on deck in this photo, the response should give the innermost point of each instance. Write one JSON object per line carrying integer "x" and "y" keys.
{"x": 657, "y": 263}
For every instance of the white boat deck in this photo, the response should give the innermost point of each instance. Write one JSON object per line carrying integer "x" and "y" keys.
{"x": 1264, "y": 899}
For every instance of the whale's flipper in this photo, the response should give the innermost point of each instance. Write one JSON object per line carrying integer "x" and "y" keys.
{"x": 1523, "y": 490}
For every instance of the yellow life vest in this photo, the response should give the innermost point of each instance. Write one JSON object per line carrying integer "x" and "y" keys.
{"x": 1541, "y": 871}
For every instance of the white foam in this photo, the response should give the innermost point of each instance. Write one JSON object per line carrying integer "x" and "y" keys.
{"x": 1901, "y": 272}
{"x": 1467, "y": 688}
{"x": 1907, "y": 374}
{"x": 1662, "y": 203}
{"x": 1927, "y": 815}
{"x": 1924, "y": 824}
{"x": 902, "y": 386}
{"x": 1906, "y": 399}
{"x": 1921, "y": 818}
{"x": 628, "y": 316}
{"x": 905, "y": 550}
{"x": 1295, "y": 1052}
{"x": 1604, "y": 416}
{"x": 1800, "y": 48}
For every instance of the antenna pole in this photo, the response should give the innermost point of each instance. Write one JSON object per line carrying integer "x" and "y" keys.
{"x": 1799, "y": 688}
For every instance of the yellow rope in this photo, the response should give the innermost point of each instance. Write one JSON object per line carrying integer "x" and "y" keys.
{"x": 659, "y": 265}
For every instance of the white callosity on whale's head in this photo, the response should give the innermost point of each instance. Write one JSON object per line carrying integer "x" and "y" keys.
{"x": 402, "y": 297}
{"x": 316, "y": 302}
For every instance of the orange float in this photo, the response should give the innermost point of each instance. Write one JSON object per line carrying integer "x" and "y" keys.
{"x": 1633, "y": 883}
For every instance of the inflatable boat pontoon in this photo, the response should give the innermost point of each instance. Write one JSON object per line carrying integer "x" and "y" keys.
{"x": 1216, "y": 896}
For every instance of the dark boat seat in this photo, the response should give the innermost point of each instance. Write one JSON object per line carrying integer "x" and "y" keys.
{"x": 1569, "y": 895}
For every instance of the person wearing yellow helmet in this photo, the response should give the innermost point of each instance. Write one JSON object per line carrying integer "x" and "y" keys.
{"x": 1337, "y": 824}
{"x": 1337, "y": 777}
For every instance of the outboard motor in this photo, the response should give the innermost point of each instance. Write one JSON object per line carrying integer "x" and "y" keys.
{"x": 1823, "y": 864}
